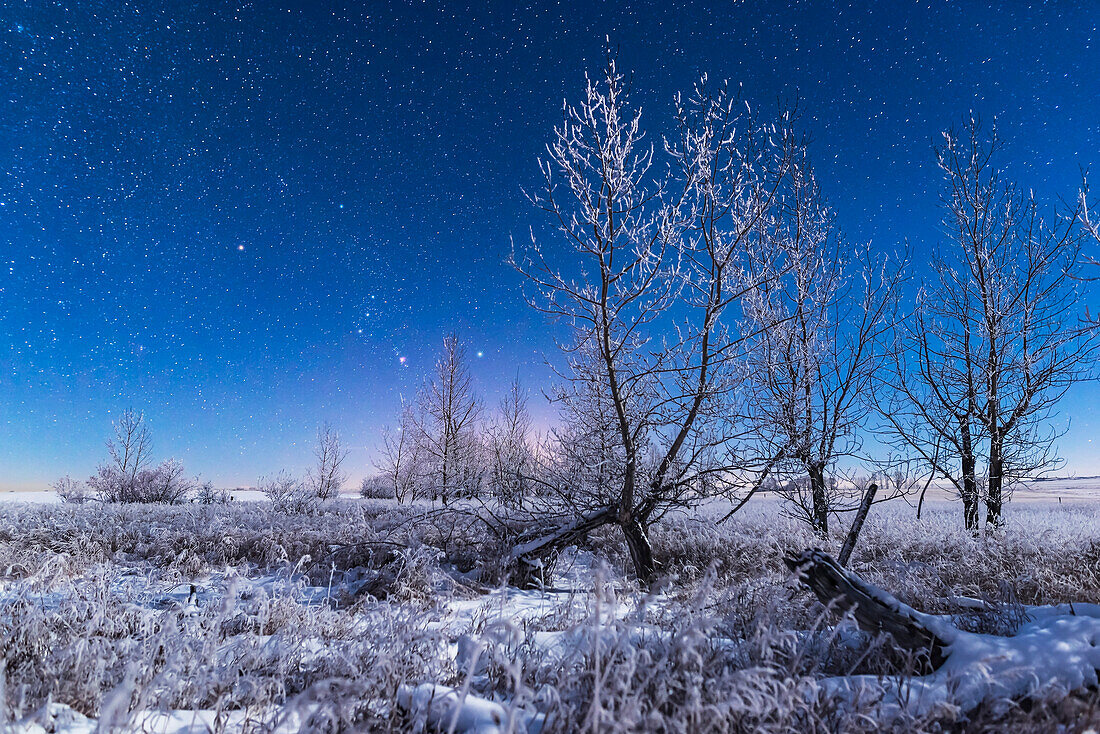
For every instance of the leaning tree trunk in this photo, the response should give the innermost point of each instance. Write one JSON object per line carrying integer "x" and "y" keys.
{"x": 532, "y": 558}
{"x": 857, "y": 524}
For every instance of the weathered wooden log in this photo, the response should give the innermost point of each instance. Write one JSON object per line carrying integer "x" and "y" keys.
{"x": 1057, "y": 648}
{"x": 875, "y": 611}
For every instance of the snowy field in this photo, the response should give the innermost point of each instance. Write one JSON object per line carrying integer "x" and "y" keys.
{"x": 1045, "y": 491}
{"x": 369, "y": 616}
{"x": 1053, "y": 491}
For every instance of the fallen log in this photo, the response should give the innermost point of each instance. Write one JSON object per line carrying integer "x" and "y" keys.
{"x": 1056, "y": 650}
{"x": 876, "y": 611}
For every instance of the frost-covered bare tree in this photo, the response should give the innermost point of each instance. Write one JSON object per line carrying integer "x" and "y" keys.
{"x": 327, "y": 477}
{"x": 446, "y": 420}
{"x": 376, "y": 486}
{"x": 823, "y": 329}
{"x": 128, "y": 475}
{"x": 996, "y": 339}
{"x": 130, "y": 453}
{"x": 933, "y": 407}
{"x": 207, "y": 494}
{"x": 650, "y": 278}
{"x": 511, "y": 459}
{"x": 401, "y": 459}
{"x": 1090, "y": 223}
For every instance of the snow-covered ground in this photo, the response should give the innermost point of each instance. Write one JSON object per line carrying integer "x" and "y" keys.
{"x": 233, "y": 618}
{"x": 44, "y": 496}
{"x": 1052, "y": 490}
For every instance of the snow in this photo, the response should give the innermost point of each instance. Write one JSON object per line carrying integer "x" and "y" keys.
{"x": 474, "y": 634}
{"x": 1057, "y": 650}
{"x": 36, "y": 497}
{"x": 1054, "y": 653}
{"x": 446, "y": 709}
{"x": 56, "y": 718}
{"x": 434, "y": 707}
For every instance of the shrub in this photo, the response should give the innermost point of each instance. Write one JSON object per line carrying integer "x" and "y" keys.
{"x": 206, "y": 494}
{"x": 288, "y": 494}
{"x": 165, "y": 483}
{"x": 376, "y": 487}
{"x": 128, "y": 476}
{"x": 71, "y": 490}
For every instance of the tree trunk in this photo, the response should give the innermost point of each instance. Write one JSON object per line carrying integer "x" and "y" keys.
{"x": 446, "y": 477}
{"x": 820, "y": 501}
{"x": 641, "y": 552}
{"x": 970, "y": 503}
{"x": 534, "y": 558}
{"x": 970, "y": 485}
{"x": 994, "y": 501}
{"x": 920, "y": 502}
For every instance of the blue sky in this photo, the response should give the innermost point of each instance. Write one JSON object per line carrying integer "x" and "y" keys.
{"x": 239, "y": 218}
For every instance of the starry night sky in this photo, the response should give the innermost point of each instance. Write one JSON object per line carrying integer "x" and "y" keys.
{"x": 239, "y": 218}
